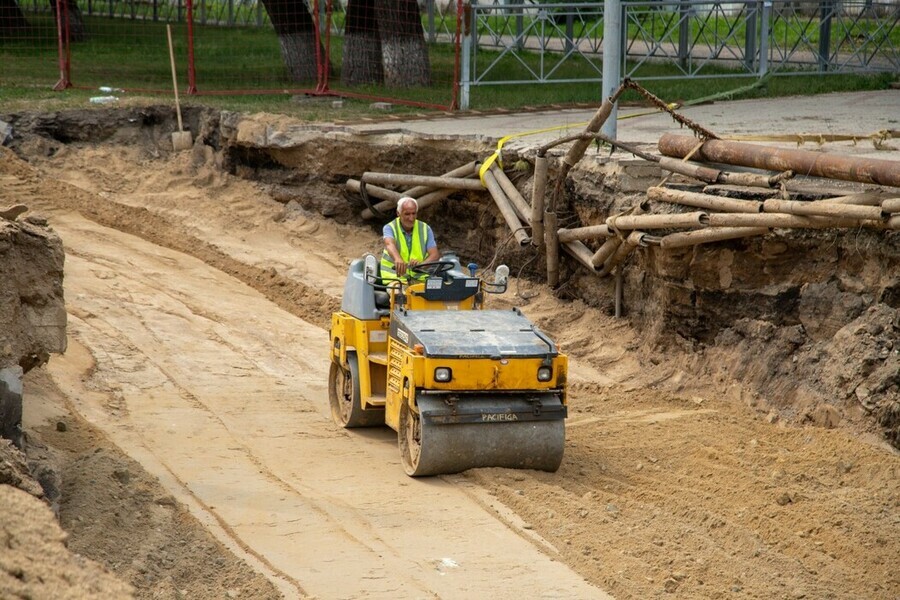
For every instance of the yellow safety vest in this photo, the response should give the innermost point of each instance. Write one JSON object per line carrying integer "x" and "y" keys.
{"x": 415, "y": 250}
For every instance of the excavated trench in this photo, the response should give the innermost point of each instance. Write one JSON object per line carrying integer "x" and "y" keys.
{"x": 697, "y": 459}
{"x": 808, "y": 319}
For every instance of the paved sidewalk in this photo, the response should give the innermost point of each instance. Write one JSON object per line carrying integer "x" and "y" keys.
{"x": 855, "y": 113}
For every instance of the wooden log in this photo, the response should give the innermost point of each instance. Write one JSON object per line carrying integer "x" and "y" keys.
{"x": 456, "y": 183}
{"x": 712, "y": 234}
{"x": 538, "y": 189}
{"x": 585, "y": 233}
{"x": 691, "y": 220}
{"x": 813, "y": 164}
{"x": 512, "y": 192}
{"x": 551, "y": 242}
{"x": 822, "y": 209}
{"x": 506, "y": 209}
{"x": 703, "y": 200}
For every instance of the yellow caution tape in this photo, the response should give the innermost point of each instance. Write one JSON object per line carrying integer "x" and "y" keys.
{"x": 496, "y": 155}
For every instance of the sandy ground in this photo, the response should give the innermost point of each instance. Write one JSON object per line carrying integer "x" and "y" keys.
{"x": 197, "y": 366}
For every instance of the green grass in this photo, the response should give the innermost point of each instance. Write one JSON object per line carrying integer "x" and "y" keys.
{"x": 134, "y": 55}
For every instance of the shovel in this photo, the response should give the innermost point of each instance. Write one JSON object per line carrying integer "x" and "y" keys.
{"x": 181, "y": 139}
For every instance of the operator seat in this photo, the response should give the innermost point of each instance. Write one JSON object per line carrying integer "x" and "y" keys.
{"x": 373, "y": 270}
{"x": 382, "y": 299}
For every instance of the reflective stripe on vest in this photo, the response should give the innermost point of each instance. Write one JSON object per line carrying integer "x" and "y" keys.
{"x": 416, "y": 251}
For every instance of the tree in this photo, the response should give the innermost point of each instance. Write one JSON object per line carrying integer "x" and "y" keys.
{"x": 362, "y": 45}
{"x": 403, "y": 50}
{"x": 76, "y": 29}
{"x": 297, "y": 36}
{"x": 11, "y": 18}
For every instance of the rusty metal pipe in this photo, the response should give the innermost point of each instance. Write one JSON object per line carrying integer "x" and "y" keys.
{"x": 512, "y": 192}
{"x": 551, "y": 242}
{"x": 457, "y": 183}
{"x": 634, "y": 239}
{"x": 576, "y": 152}
{"x": 607, "y": 249}
{"x": 619, "y": 293}
{"x": 822, "y": 209}
{"x": 538, "y": 189}
{"x": 506, "y": 209}
{"x": 786, "y": 221}
{"x": 424, "y": 194}
{"x": 465, "y": 171}
{"x": 703, "y": 200}
{"x": 585, "y": 233}
{"x": 861, "y": 199}
{"x": 891, "y": 205}
{"x": 705, "y": 236}
{"x": 389, "y": 205}
{"x": 580, "y": 146}
{"x": 802, "y": 162}
{"x": 581, "y": 253}
{"x": 710, "y": 175}
{"x": 389, "y": 196}
{"x": 691, "y": 220}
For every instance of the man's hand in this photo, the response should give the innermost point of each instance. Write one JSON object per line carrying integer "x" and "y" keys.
{"x": 400, "y": 267}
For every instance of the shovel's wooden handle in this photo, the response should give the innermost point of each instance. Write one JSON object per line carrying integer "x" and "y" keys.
{"x": 174, "y": 79}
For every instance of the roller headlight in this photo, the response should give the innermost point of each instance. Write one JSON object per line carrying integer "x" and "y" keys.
{"x": 545, "y": 373}
{"x": 443, "y": 374}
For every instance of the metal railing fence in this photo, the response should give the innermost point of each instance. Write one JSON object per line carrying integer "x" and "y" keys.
{"x": 523, "y": 42}
{"x": 514, "y": 43}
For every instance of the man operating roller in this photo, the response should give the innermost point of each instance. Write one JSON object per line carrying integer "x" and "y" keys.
{"x": 407, "y": 242}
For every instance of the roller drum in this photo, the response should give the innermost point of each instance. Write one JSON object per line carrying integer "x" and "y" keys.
{"x": 492, "y": 432}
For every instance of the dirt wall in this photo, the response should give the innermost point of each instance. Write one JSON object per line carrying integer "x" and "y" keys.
{"x": 807, "y": 318}
{"x": 32, "y": 306}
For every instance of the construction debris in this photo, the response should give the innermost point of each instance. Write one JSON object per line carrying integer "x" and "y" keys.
{"x": 756, "y": 202}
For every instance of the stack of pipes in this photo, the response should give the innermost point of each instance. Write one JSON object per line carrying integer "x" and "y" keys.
{"x": 717, "y": 218}
{"x": 725, "y": 218}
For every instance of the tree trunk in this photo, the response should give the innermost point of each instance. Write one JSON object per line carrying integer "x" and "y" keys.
{"x": 11, "y": 18}
{"x": 362, "y": 45}
{"x": 77, "y": 32}
{"x": 296, "y": 35}
{"x": 404, "y": 53}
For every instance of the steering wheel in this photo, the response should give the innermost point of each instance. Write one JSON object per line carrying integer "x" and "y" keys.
{"x": 434, "y": 268}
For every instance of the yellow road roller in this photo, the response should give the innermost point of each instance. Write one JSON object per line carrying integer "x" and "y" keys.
{"x": 463, "y": 386}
